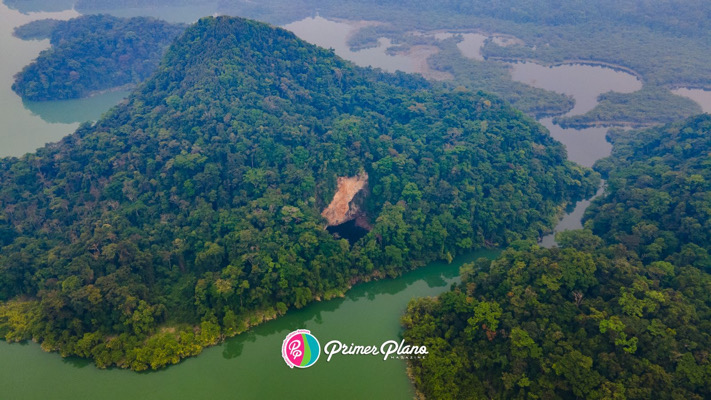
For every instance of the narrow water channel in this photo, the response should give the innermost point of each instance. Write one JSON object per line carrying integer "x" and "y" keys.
{"x": 249, "y": 366}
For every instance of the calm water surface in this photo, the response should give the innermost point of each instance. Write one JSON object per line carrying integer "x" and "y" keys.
{"x": 701, "y": 96}
{"x": 25, "y": 126}
{"x": 249, "y": 366}
{"x": 334, "y": 35}
{"x": 585, "y": 146}
{"x": 471, "y": 45}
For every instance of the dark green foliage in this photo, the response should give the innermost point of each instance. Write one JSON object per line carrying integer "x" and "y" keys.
{"x": 197, "y": 202}
{"x": 566, "y": 323}
{"x": 658, "y": 197}
{"x": 93, "y": 53}
{"x": 40, "y": 29}
{"x": 626, "y": 314}
{"x": 666, "y": 42}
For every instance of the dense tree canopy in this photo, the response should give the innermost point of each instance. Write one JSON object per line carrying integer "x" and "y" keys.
{"x": 626, "y": 314}
{"x": 192, "y": 210}
{"x": 658, "y": 201}
{"x": 92, "y": 53}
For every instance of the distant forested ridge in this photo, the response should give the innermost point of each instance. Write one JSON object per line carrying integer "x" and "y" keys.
{"x": 92, "y": 53}
{"x": 36, "y": 30}
{"x": 621, "y": 310}
{"x": 664, "y": 42}
{"x": 192, "y": 211}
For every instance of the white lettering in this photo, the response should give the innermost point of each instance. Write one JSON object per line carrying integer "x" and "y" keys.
{"x": 333, "y": 347}
{"x": 294, "y": 349}
{"x": 388, "y": 348}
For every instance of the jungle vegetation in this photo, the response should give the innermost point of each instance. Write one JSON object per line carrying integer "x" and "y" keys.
{"x": 191, "y": 211}
{"x": 663, "y": 42}
{"x": 92, "y": 53}
{"x": 622, "y": 309}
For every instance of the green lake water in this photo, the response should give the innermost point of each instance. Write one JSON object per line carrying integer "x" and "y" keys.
{"x": 25, "y": 126}
{"x": 250, "y": 366}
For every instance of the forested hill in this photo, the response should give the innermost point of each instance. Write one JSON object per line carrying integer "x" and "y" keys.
{"x": 93, "y": 53}
{"x": 192, "y": 210}
{"x": 621, "y": 310}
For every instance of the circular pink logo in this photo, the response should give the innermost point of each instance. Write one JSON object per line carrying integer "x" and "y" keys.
{"x": 300, "y": 349}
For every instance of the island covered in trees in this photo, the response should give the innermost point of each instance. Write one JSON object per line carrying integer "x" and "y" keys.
{"x": 621, "y": 310}
{"x": 92, "y": 53}
{"x": 192, "y": 210}
{"x": 664, "y": 43}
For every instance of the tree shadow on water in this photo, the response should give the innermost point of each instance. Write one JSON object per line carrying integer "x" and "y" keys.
{"x": 77, "y": 362}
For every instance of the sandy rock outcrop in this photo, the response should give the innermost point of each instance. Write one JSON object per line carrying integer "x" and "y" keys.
{"x": 341, "y": 208}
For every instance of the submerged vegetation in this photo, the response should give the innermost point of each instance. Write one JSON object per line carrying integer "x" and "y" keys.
{"x": 193, "y": 210}
{"x": 621, "y": 310}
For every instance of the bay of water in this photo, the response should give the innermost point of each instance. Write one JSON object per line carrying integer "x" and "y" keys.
{"x": 250, "y": 366}
{"x": 25, "y": 126}
{"x": 584, "y": 146}
{"x": 334, "y": 35}
{"x": 700, "y": 96}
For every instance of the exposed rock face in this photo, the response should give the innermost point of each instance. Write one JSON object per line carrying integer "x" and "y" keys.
{"x": 341, "y": 208}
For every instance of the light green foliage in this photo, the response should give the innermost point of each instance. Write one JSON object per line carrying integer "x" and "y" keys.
{"x": 196, "y": 205}
{"x": 602, "y": 316}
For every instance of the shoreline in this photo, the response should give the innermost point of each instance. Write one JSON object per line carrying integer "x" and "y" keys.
{"x": 250, "y": 319}
{"x": 608, "y": 124}
{"x": 592, "y": 63}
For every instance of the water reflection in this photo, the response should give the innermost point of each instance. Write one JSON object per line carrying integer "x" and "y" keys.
{"x": 572, "y": 219}
{"x": 21, "y": 131}
{"x": 233, "y": 348}
{"x": 584, "y": 146}
{"x": 437, "y": 276}
{"x": 76, "y": 362}
{"x": 75, "y": 110}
